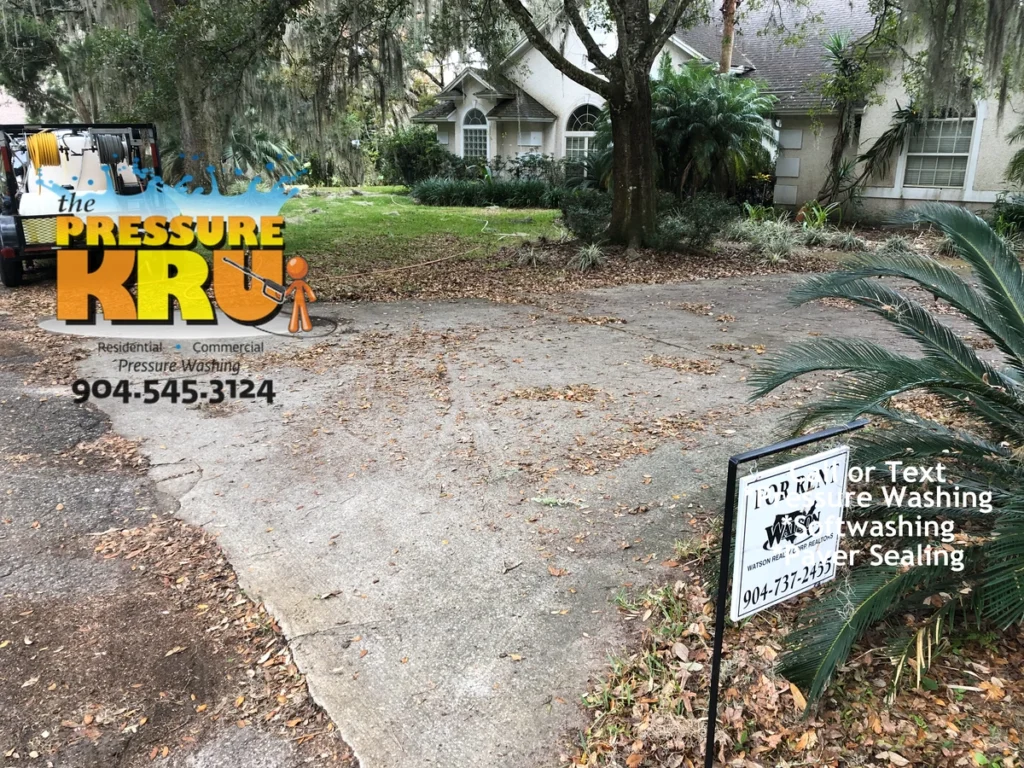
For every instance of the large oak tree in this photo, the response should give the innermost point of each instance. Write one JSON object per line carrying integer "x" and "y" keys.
{"x": 623, "y": 79}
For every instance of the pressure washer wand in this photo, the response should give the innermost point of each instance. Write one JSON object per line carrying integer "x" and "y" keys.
{"x": 269, "y": 286}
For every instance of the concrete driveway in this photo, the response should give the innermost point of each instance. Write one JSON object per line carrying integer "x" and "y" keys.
{"x": 446, "y": 497}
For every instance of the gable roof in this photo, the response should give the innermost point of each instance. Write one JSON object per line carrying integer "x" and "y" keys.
{"x": 438, "y": 112}
{"x": 513, "y": 102}
{"x": 522, "y": 107}
{"x": 792, "y": 72}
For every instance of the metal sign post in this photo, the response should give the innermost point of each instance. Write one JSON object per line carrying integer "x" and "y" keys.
{"x": 723, "y": 572}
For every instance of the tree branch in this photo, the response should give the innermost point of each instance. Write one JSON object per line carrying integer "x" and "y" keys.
{"x": 423, "y": 69}
{"x": 525, "y": 21}
{"x": 594, "y": 51}
{"x": 664, "y": 24}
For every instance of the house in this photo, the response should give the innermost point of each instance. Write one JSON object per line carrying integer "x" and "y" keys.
{"x": 529, "y": 106}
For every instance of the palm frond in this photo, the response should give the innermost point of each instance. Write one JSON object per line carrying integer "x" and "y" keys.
{"x": 910, "y": 318}
{"x": 995, "y": 265}
{"x": 815, "y": 651}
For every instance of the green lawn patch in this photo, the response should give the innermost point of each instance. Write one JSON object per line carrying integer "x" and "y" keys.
{"x": 341, "y": 233}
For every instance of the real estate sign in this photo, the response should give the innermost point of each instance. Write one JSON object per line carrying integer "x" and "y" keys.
{"x": 788, "y": 528}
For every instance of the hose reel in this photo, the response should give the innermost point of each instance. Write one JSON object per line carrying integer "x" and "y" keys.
{"x": 111, "y": 148}
{"x": 42, "y": 149}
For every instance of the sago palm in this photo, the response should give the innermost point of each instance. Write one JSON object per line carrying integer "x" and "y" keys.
{"x": 981, "y": 444}
{"x": 711, "y": 130}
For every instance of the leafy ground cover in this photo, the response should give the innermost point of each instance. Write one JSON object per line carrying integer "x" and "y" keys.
{"x": 378, "y": 244}
{"x": 651, "y": 708}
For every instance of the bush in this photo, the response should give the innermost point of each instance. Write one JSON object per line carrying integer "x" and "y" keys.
{"x": 847, "y": 241}
{"x": 897, "y": 245}
{"x": 413, "y": 154}
{"x": 773, "y": 240}
{"x": 972, "y": 425}
{"x": 508, "y": 193}
{"x": 1008, "y": 212}
{"x": 693, "y": 222}
{"x": 586, "y": 213}
{"x": 588, "y": 257}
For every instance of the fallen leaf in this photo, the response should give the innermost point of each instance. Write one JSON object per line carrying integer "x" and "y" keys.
{"x": 798, "y": 698}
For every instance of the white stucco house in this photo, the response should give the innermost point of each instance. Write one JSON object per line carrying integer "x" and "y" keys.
{"x": 529, "y": 106}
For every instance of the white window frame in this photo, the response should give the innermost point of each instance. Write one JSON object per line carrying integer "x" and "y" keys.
{"x": 485, "y": 128}
{"x": 966, "y": 194}
{"x": 587, "y": 136}
{"x": 907, "y": 154}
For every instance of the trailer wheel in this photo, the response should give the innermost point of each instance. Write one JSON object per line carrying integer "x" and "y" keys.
{"x": 11, "y": 272}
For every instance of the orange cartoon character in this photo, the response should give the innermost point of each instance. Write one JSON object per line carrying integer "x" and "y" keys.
{"x": 299, "y": 290}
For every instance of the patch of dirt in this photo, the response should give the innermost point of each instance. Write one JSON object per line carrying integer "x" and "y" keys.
{"x": 122, "y": 679}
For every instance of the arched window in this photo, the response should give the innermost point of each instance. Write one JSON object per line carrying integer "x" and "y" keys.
{"x": 579, "y": 131}
{"x": 474, "y": 134}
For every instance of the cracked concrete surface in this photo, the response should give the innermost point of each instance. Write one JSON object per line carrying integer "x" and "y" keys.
{"x": 384, "y": 507}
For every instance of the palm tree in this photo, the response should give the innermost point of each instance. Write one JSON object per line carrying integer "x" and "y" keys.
{"x": 983, "y": 447}
{"x": 711, "y": 130}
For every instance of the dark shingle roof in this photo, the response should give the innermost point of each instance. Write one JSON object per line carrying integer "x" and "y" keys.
{"x": 522, "y": 107}
{"x": 439, "y": 111}
{"x": 791, "y": 68}
{"x": 499, "y": 83}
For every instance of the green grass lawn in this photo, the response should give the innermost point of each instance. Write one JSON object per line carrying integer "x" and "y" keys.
{"x": 341, "y": 233}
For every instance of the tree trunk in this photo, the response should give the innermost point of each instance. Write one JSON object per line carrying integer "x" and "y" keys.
{"x": 728, "y": 34}
{"x": 634, "y": 197}
{"x": 204, "y": 135}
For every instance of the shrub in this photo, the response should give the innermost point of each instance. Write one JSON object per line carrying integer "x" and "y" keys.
{"x": 586, "y": 213}
{"x": 814, "y": 215}
{"x": 764, "y": 213}
{"x": 588, "y": 257}
{"x": 981, "y": 449}
{"x": 508, "y": 193}
{"x": 693, "y": 222}
{"x": 1008, "y": 211}
{"x": 815, "y": 235}
{"x": 739, "y": 230}
{"x": 773, "y": 240}
{"x": 847, "y": 241}
{"x": 413, "y": 154}
{"x": 896, "y": 245}
{"x": 710, "y": 130}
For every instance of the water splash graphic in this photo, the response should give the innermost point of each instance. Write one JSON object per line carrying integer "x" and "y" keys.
{"x": 160, "y": 198}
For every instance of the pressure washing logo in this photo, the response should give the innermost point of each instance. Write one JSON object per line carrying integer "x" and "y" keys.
{"x": 129, "y": 262}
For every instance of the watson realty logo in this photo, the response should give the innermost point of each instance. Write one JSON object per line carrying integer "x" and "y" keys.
{"x": 141, "y": 266}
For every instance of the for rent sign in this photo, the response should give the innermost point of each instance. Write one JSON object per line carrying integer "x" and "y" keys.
{"x": 787, "y": 531}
